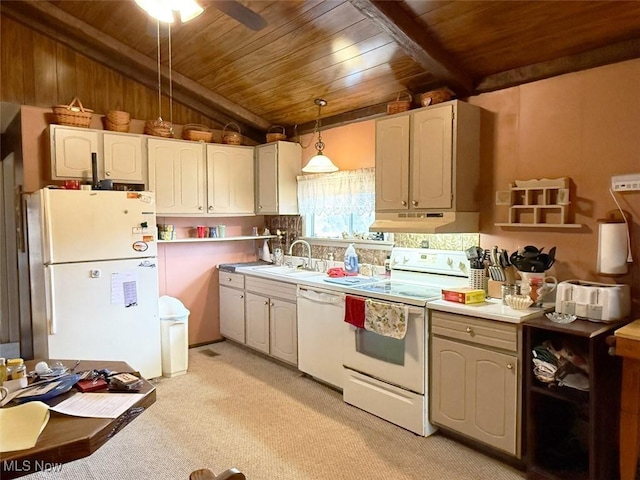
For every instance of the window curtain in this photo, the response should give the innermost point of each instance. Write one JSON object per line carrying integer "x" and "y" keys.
{"x": 337, "y": 193}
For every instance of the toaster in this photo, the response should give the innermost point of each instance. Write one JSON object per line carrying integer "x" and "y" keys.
{"x": 600, "y": 302}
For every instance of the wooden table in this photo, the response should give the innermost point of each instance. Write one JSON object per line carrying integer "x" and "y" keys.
{"x": 67, "y": 438}
{"x": 628, "y": 347}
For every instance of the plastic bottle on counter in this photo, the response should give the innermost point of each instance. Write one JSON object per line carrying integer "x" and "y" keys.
{"x": 387, "y": 265}
{"x": 351, "y": 260}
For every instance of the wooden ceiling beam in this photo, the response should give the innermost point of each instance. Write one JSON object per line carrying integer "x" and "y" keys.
{"x": 618, "y": 52}
{"x": 417, "y": 43}
{"x": 57, "y": 24}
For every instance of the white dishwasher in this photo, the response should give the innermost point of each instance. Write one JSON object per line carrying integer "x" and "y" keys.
{"x": 321, "y": 328}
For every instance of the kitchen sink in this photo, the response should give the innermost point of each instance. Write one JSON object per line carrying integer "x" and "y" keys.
{"x": 287, "y": 271}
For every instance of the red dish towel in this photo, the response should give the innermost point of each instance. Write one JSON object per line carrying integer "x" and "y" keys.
{"x": 354, "y": 311}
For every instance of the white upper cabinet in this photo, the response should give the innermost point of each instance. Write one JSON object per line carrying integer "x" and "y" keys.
{"x": 230, "y": 180}
{"x": 277, "y": 166}
{"x": 120, "y": 156}
{"x": 177, "y": 176}
{"x": 428, "y": 159}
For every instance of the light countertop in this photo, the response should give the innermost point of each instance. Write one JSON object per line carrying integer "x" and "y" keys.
{"x": 491, "y": 309}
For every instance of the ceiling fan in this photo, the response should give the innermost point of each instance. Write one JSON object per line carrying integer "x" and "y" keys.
{"x": 168, "y": 10}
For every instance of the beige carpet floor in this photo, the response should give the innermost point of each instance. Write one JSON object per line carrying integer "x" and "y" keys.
{"x": 237, "y": 409}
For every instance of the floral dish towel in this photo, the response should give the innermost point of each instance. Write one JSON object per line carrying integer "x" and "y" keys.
{"x": 388, "y": 319}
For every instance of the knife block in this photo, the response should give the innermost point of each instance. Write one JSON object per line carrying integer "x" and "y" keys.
{"x": 494, "y": 288}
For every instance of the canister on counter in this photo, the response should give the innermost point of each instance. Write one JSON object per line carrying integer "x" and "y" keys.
{"x": 509, "y": 290}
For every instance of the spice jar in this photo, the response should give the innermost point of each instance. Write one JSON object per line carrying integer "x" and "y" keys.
{"x": 3, "y": 370}
{"x": 16, "y": 369}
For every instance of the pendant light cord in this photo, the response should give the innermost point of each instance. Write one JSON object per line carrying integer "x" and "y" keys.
{"x": 316, "y": 129}
{"x": 159, "y": 74}
{"x": 170, "y": 83}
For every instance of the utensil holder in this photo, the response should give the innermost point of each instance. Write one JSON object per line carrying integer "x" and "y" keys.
{"x": 477, "y": 278}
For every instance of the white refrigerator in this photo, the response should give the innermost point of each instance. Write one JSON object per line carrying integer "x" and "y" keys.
{"x": 94, "y": 277}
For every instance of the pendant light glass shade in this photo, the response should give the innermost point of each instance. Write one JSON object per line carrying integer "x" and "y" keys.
{"x": 319, "y": 163}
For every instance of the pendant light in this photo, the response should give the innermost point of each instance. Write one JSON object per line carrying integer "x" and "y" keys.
{"x": 162, "y": 10}
{"x": 319, "y": 163}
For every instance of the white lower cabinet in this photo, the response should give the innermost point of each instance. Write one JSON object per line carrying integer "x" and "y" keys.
{"x": 232, "y": 306}
{"x": 476, "y": 379}
{"x": 270, "y": 318}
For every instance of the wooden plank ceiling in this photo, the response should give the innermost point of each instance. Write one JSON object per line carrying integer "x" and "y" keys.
{"x": 356, "y": 54}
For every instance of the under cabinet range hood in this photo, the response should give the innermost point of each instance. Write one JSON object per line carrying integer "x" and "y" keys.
{"x": 426, "y": 222}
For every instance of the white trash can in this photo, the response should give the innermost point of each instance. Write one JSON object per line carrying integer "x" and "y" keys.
{"x": 174, "y": 325}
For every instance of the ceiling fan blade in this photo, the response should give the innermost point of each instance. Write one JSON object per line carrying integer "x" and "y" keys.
{"x": 241, "y": 13}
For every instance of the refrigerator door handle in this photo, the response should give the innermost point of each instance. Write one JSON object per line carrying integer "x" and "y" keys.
{"x": 50, "y": 300}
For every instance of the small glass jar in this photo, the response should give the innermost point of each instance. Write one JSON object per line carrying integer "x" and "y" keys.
{"x": 16, "y": 369}
{"x": 509, "y": 290}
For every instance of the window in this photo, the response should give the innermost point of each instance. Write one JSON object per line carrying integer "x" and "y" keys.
{"x": 337, "y": 202}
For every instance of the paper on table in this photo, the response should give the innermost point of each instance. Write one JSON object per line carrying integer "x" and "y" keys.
{"x": 98, "y": 405}
{"x": 21, "y": 426}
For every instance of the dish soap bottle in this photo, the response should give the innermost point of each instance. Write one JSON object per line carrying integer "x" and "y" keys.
{"x": 351, "y": 260}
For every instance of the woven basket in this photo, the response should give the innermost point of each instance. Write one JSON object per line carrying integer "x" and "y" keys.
{"x": 73, "y": 115}
{"x": 117, "y": 117}
{"x": 398, "y": 105}
{"x": 275, "y": 136}
{"x": 231, "y": 138}
{"x": 197, "y": 133}
{"x": 158, "y": 128}
{"x": 436, "y": 96}
{"x": 115, "y": 127}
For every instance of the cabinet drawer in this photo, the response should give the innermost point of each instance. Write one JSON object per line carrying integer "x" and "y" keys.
{"x": 474, "y": 330}
{"x": 271, "y": 288}
{"x": 235, "y": 280}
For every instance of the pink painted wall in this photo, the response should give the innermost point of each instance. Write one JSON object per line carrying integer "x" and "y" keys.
{"x": 188, "y": 270}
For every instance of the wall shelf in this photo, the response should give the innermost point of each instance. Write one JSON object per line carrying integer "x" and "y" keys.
{"x": 537, "y": 203}
{"x": 218, "y": 239}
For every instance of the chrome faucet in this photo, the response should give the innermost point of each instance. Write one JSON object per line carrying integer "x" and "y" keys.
{"x": 306, "y": 244}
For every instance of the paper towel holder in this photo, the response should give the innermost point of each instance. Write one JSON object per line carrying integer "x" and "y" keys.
{"x": 621, "y": 254}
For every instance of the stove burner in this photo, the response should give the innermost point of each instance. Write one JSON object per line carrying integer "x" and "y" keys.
{"x": 422, "y": 292}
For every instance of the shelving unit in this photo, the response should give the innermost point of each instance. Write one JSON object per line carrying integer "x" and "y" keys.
{"x": 572, "y": 434}
{"x": 217, "y": 239}
{"x": 537, "y": 203}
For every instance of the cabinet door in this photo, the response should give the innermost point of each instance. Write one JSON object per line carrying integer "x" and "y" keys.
{"x": 283, "y": 331}
{"x": 123, "y": 158}
{"x": 431, "y": 158}
{"x": 232, "y": 313}
{"x": 230, "y": 183}
{"x": 72, "y": 153}
{"x": 392, "y": 163}
{"x": 267, "y": 179}
{"x": 474, "y": 391}
{"x": 256, "y": 309}
{"x": 177, "y": 176}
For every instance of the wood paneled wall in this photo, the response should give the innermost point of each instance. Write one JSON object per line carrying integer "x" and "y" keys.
{"x": 38, "y": 71}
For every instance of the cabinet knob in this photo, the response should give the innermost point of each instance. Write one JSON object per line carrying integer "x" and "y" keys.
{"x": 414, "y": 203}
{"x": 108, "y": 174}
{"x": 267, "y": 303}
{"x": 200, "y": 207}
{"x": 509, "y": 366}
{"x": 241, "y": 296}
{"x": 404, "y": 204}
{"x": 229, "y": 279}
{"x": 259, "y": 207}
{"x": 272, "y": 304}
{"x": 210, "y": 207}
{"x": 469, "y": 330}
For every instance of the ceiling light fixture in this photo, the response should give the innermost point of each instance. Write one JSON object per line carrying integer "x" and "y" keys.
{"x": 162, "y": 10}
{"x": 319, "y": 163}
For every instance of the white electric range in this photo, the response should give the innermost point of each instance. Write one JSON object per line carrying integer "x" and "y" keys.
{"x": 388, "y": 377}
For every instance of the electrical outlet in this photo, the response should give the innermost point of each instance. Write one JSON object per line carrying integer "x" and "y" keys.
{"x": 625, "y": 183}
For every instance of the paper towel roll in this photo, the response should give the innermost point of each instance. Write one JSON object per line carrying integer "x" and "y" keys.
{"x": 612, "y": 248}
